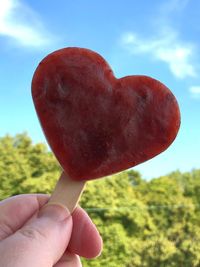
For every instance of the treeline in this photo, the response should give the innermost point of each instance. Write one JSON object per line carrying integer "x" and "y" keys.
{"x": 143, "y": 223}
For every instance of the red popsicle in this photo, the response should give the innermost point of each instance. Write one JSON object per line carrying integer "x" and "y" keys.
{"x": 97, "y": 124}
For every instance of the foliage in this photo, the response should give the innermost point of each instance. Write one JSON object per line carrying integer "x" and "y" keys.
{"x": 143, "y": 223}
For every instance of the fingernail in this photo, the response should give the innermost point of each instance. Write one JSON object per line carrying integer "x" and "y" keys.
{"x": 54, "y": 211}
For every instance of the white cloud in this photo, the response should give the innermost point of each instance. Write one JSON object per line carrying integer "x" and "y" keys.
{"x": 195, "y": 91}
{"x": 166, "y": 45}
{"x": 166, "y": 48}
{"x": 19, "y": 22}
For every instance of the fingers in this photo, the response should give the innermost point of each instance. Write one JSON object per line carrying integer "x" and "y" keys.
{"x": 36, "y": 232}
{"x": 69, "y": 260}
{"x": 15, "y": 211}
{"x": 85, "y": 239}
{"x": 40, "y": 242}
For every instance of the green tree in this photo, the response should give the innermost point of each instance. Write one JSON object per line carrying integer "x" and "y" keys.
{"x": 143, "y": 223}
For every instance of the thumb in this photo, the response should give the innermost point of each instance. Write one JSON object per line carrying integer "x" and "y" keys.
{"x": 42, "y": 241}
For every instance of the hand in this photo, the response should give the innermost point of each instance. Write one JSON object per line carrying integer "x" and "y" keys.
{"x": 44, "y": 237}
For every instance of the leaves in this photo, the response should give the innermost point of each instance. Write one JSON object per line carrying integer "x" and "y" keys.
{"x": 143, "y": 223}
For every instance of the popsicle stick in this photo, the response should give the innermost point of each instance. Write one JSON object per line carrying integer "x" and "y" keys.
{"x": 67, "y": 192}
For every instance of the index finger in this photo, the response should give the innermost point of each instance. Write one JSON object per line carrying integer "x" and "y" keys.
{"x": 15, "y": 211}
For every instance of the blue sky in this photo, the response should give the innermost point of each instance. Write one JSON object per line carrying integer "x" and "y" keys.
{"x": 158, "y": 38}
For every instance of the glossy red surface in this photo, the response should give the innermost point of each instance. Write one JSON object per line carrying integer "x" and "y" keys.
{"x": 96, "y": 124}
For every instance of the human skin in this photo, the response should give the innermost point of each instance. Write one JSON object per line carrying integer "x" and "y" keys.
{"x": 35, "y": 234}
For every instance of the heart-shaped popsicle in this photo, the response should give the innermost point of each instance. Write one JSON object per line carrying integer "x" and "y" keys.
{"x": 97, "y": 124}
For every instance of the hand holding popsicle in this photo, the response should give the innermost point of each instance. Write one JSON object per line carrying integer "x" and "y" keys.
{"x": 33, "y": 234}
{"x": 96, "y": 124}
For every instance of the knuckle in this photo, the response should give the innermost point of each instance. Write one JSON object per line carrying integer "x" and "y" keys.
{"x": 32, "y": 233}
{"x": 5, "y": 230}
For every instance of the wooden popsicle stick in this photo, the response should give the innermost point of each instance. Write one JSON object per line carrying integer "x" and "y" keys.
{"x": 67, "y": 192}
